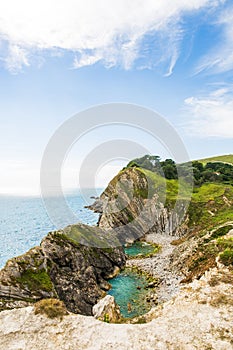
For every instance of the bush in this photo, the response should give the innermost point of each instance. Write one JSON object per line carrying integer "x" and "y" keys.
{"x": 52, "y": 308}
{"x": 227, "y": 257}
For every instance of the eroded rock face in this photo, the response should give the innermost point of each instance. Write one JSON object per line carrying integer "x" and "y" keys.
{"x": 130, "y": 207}
{"x": 200, "y": 317}
{"x": 59, "y": 268}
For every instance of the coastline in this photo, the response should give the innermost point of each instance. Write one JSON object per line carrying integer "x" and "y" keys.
{"x": 160, "y": 266}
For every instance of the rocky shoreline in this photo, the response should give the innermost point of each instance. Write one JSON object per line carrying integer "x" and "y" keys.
{"x": 160, "y": 266}
{"x": 197, "y": 318}
{"x": 74, "y": 265}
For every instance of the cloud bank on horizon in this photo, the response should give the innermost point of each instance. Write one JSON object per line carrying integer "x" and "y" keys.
{"x": 122, "y": 33}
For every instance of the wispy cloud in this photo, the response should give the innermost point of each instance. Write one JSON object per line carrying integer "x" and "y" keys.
{"x": 109, "y": 31}
{"x": 17, "y": 57}
{"x": 210, "y": 115}
{"x": 220, "y": 58}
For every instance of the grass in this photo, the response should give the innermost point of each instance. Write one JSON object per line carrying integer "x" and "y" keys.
{"x": 90, "y": 235}
{"x": 209, "y": 207}
{"x": 36, "y": 280}
{"x": 206, "y": 253}
{"x": 221, "y": 231}
{"x": 225, "y": 159}
{"x": 203, "y": 259}
{"x": 225, "y": 243}
{"x": 52, "y": 308}
{"x": 169, "y": 191}
{"x": 226, "y": 256}
{"x": 208, "y": 192}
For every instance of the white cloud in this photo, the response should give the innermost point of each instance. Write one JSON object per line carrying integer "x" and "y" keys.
{"x": 220, "y": 58}
{"x": 211, "y": 115}
{"x": 110, "y": 31}
{"x": 17, "y": 58}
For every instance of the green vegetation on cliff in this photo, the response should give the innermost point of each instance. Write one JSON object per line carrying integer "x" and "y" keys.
{"x": 210, "y": 214}
{"x": 209, "y": 246}
{"x": 225, "y": 159}
{"x": 212, "y": 196}
{"x": 36, "y": 280}
{"x": 216, "y": 169}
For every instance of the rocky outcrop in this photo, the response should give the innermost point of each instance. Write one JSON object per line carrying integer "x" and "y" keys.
{"x": 132, "y": 205}
{"x": 107, "y": 310}
{"x": 60, "y": 268}
{"x": 200, "y": 317}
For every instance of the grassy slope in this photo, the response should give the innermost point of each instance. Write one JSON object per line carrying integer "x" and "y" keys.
{"x": 225, "y": 159}
{"x": 211, "y": 217}
{"x": 210, "y": 205}
{"x": 210, "y": 208}
{"x": 170, "y": 187}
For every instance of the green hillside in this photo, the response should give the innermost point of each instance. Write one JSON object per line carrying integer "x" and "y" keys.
{"x": 225, "y": 159}
{"x": 215, "y": 169}
{"x": 204, "y": 188}
{"x": 210, "y": 219}
{"x": 210, "y": 205}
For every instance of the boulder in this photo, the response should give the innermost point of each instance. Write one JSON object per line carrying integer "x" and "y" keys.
{"x": 107, "y": 310}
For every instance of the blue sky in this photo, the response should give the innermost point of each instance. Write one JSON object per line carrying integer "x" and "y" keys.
{"x": 60, "y": 57}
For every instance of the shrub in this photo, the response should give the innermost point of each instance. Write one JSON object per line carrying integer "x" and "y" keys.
{"x": 227, "y": 257}
{"x": 52, "y": 308}
{"x": 36, "y": 280}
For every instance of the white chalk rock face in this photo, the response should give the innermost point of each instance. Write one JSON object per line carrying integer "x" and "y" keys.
{"x": 107, "y": 310}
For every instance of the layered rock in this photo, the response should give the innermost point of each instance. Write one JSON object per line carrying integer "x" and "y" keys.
{"x": 133, "y": 205}
{"x": 63, "y": 268}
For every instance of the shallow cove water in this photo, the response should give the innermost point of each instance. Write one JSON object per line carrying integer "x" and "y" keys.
{"x": 129, "y": 287}
{"x": 137, "y": 248}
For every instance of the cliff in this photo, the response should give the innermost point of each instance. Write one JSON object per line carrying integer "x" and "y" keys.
{"x": 200, "y": 317}
{"x": 133, "y": 204}
{"x": 138, "y": 202}
{"x": 75, "y": 263}
{"x": 63, "y": 268}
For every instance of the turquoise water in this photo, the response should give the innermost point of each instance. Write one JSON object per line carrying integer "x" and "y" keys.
{"x": 139, "y": 248}
{"x": 124, "y": 289}
{"x": 24, "y": 221}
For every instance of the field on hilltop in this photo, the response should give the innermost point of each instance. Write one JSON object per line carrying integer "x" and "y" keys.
{"x": 228, "y": 158}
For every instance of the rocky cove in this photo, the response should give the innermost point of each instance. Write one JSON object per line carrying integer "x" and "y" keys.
{"x": 148, "y": 278}
{"x": 75, "y": 264}
{"x": 186, "y": 273}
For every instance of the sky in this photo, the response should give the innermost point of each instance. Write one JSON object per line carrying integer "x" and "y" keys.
{"x": 58, "y": 58}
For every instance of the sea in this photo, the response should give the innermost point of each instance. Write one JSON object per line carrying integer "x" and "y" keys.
{"x": 24, "y": 220}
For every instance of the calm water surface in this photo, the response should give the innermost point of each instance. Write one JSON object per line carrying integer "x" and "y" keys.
{"x": 24, "y": 221}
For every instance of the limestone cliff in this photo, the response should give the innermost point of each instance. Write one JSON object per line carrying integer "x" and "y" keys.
{"x": 60, "y": 267}
{"x": 133, "y": 205}
{"x": 75, "y": 263}
{"x": 200, "y": 317}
